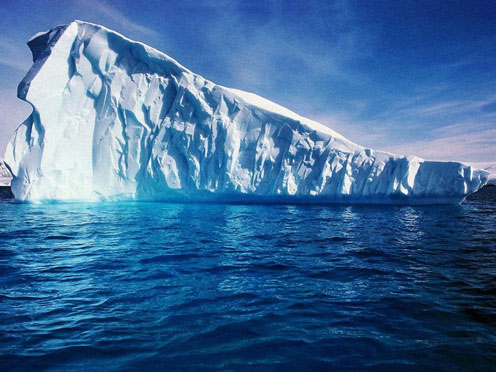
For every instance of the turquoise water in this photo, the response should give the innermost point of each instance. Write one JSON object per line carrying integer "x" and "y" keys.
{"x": 151, "y": 286}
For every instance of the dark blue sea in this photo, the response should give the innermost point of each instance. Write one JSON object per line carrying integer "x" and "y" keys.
{"x": 199, "y": 287}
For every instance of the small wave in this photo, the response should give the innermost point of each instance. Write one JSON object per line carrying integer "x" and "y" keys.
{"x": 59, "y": 237}
{"x": 195, "y": 287}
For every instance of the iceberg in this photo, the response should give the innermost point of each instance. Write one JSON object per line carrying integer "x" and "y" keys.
{"x": 5, "y": 176}
{"x": 114, "y": 119}
{"x": 492, "y": 174}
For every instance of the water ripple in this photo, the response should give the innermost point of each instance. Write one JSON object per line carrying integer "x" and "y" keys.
{"x": 134, "y": 286}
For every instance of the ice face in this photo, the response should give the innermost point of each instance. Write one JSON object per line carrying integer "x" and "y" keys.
{"x": 114, "y": 119}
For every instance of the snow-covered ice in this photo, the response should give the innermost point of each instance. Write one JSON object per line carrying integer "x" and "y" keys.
{"x": 115, "y": 119}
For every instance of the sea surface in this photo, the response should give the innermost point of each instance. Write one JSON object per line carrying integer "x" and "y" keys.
{"x": 198, "y": 287}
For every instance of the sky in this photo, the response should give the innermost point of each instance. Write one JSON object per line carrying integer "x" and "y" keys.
{"x": 410, "y": 77}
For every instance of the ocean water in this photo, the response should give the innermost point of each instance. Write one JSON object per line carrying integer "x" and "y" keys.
{"x": 171, "y": 287}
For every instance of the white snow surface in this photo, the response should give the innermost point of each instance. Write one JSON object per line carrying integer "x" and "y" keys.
{"x": 114, "y": 119}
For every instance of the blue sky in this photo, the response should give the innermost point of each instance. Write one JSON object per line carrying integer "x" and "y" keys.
{"x": 413, "y": 77}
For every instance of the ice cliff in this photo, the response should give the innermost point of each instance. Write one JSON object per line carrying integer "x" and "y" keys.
{"x": 116, "y": 119}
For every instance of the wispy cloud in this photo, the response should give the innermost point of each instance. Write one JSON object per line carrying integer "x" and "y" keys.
{"x": 12, "y": 55}
{"x": 14, "y": 63}
{"x": 473, "y": 146}
{"x": 115, "y": 15}
{"x": 427, "y": 107}
{"x": 470, "y": 139}
{"x": 266, "y": 54}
